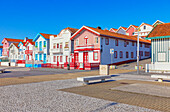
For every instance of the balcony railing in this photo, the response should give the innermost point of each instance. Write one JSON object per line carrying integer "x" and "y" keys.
{"x": 57, "y": 50}
{"x": 29, "y": 52}
{"x": 85, "y": 46}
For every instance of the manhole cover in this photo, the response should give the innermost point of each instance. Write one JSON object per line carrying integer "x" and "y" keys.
{"x": 124, "y": 83}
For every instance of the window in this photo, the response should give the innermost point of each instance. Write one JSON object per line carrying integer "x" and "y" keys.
{"x": 95, "y": 56}
{"x": 61, "y": 45}
{"x": 121, "y": 54}
{"x": 96, "y": 40}
{"x": 147, "y": 46}
{"x": 116, "y": 42}
{"x": 36, "y": 44}
{"x": 45, "y": 43}
{"x": 66, "y": 44}
{"x": 125, "y": 43}
{"x": 77, "y": 42}
{"x": 54, "y": 45}
{"x": 86, "y": 40}
{"x": 40, "y": 57}
{"x": 66, "y": 59}
{"x": 131, "y": 54}
{"x": 36, "y": 56}
{"x": 115, "y": 54}
{"x": 57, "y": 45}
{"x": 61, "y": 58}
{"x": 144, "y": 27}
{"x": 107, "y": 41}
{"x": 127, "y": 55}
{"x": 133, "y": 43}
{"x": 54, "y": 59}
{"x": 141, "y": 53}
{"x": 140, "y": 44}
{"x": 147, "y": 53}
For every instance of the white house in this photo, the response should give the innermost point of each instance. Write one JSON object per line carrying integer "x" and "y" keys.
{"x": 61, "y": 47}
{"x": 13, "y": 53}
{"x": 144, "y": 30}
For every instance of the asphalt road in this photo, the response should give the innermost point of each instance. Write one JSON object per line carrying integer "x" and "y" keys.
{"x": 19, "y": 72}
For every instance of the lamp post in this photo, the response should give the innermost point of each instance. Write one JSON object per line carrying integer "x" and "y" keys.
{"x": 138, "y": 52}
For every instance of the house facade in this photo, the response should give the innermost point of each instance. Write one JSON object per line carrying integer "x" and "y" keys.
{"x": 42, "y": 46}
{"x": 131, "y": 30}
{"x": 92, "y": 47}
{"x": 121, "y": 30}
{"x": 1, "y": 48}
{"x": 13, "y": 52}
{"x": 61, "y": 47}
{"x": 160, "y": 41}
{"x": 6, "y": 43}
{"x": 145, "y": 29}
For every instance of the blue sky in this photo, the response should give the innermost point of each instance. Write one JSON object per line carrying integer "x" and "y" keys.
{"x": 26, "y": 18}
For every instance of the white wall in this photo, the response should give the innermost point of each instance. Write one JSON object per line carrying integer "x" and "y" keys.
{"x": 121, "y": 31}
{"x": 62, "y": 38}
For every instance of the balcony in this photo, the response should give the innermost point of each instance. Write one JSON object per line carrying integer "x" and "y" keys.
{"x": 28, "y": 51}
{"x": 85, "y": 46}
{"x": 57, "y": 50}
{"x": 37, "y": 50}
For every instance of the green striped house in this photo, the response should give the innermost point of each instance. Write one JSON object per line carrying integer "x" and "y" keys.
{"x": 160, "y": 46}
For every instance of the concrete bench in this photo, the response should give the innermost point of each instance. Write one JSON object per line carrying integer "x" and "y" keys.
{"x": 2, "y": 70}
{"x": 92, "y": 78}
{"x": 161, "y": 77}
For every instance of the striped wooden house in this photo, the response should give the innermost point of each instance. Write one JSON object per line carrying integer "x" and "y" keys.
{"x": 160, "y": 44}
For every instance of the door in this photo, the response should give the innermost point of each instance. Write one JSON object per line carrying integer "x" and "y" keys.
{"x": 85, "y": 57}
{"x": 40, "y": 45}
{"x": 45, "y": 58}
{"x": 76, "y": 60}
{"x": 57, "y": 60}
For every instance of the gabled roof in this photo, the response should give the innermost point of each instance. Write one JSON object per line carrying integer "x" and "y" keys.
{"x": 73, "y": 30}
{"x": 44, "y": 35}
{"x": 15, "y": 44}
{"x": 13, "y": 40}
{"x": 132, "y": 26}
{"x": 160, "y": 30}
{"x": 158, "y": 21}
{"x": 106, "y": 33}
{"x": 30, "y": 41}
{"x": 124, "y": 28}
{"x": 145, "y": 24}
{"x": 114, "y": 29}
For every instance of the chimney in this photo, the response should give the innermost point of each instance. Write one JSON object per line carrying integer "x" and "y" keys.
{"x": 99, "y": 27}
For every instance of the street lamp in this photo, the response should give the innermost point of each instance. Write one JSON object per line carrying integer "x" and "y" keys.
{"x": 138, "y": 52}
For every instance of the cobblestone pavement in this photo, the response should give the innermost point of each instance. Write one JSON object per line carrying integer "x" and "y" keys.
{"x": 162, "y": 91}
{"x": 46, "y": 97}
{"x": 103, "y": 91}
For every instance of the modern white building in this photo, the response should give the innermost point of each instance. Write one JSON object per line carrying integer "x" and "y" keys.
{"x": 61, "y": 47}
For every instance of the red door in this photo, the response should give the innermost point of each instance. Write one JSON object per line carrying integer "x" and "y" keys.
{"x": 57, "y": 60}
{"x": 76, "y": 59}
{"x": 85, "y": 57}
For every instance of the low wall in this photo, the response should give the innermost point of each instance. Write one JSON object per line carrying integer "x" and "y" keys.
{"x": 158, "y": 68}
{"x": 13, "y": 64}
{"x": 21, "y": 65}
{"x": 4, "y": 63}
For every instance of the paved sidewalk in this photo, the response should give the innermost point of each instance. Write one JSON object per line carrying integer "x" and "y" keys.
{"x": 103, "y": 91}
